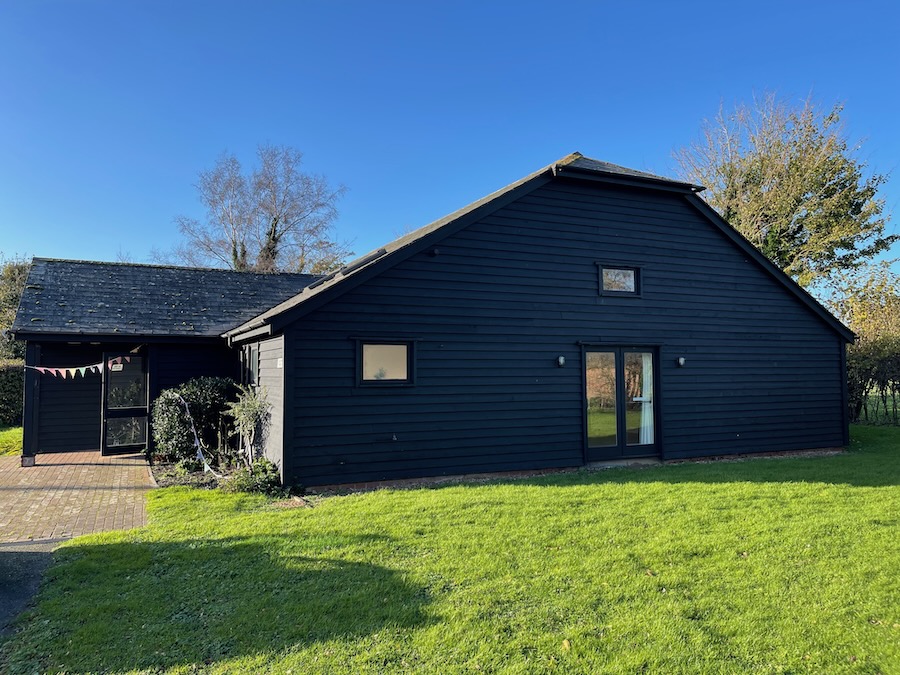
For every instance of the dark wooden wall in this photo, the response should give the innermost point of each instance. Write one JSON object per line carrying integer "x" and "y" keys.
{"x": 67, "y": 413}
{"x": 508, "y": 295}
{"x": 173, "y": 364}
{"x": 69, "y": 410}
{"x": 271, "y": 381}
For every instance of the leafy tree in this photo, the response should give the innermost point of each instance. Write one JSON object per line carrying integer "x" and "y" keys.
{"x": 867, "y": 300}
{"x": 788, "y": 179}
{"x": 275, "y": 218}
{"x": 13, "y": 273}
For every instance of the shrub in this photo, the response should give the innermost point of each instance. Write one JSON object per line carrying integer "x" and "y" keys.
{"x": 12, "y": 389}
{"x": 251, "y": 417}
{"x": 171, "y": 428}
{"x": 185, "y": 467}
{"x": 261, "y": 476}
{"x": 207, "y": 399}
{"x": 873, "y": 380}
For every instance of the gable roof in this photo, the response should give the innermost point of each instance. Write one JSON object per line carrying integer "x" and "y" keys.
{"x": 579, "y": 163}
{"x": 574, "y": 165}
{"x": 83, "y": 298}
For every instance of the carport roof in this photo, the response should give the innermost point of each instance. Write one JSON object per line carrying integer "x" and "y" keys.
{"x": 84, "y": 298}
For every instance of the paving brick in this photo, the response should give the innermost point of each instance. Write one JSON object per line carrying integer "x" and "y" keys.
{"x": 71, "y": 493}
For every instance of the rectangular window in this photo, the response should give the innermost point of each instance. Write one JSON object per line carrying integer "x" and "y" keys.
{"x": 126, "y": 431}
{"x": 619, "y": 280}
{"x": 251, "y": 364}
{"x": 385, "y": 363}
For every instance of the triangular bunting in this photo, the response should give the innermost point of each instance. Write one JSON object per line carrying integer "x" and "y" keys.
{"x": 69, "y": 373}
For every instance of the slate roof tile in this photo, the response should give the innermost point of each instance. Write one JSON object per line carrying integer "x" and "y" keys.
{"x": 98, "y": 298}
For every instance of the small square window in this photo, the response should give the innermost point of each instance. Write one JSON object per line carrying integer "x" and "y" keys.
{"x": 619, "y": 280}
{"x": 385, "y": 363}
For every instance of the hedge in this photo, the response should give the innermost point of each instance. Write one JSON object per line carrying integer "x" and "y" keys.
{"x": 12, "y": 390}
{"x": 873, "y": 380}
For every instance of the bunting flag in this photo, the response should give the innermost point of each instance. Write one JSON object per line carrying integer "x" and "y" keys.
{"x": 117, "y": 361}
{"x": 69, "y": 373}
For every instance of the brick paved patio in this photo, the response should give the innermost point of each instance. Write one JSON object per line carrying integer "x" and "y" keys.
{"x": 71, "y": 493}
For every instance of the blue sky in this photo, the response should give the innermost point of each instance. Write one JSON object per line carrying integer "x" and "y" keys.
{"x": 110, "y": 109}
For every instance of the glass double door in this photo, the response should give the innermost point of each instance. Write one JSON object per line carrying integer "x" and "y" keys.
{"x": 620, "y": 403}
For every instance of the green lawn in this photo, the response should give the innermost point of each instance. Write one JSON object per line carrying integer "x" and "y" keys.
{"x": 10, "y": 441}
{"x": 765, "y": 566}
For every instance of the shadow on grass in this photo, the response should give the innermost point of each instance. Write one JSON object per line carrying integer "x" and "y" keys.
{"x": 22, "y": 565}
{"x": 146, "y": 605}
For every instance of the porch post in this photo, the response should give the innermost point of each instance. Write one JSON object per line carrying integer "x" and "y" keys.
{"x": 31, "y": 404}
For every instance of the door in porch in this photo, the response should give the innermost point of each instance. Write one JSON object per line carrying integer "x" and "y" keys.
{"x": 125, "y": 404}
{"x": 620, "y": 410}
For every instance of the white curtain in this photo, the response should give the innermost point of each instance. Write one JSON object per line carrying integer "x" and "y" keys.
{"x": 646, "y": 437}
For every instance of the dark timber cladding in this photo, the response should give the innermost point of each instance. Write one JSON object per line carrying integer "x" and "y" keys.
{"x": 69, "y": 416}
{"x": 271, "y": 383}
{"x": 67, "y": 412}
{"x": 502, "y": 298}
{"x": 75, "y": 313}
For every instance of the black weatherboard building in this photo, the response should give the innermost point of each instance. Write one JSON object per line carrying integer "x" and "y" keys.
{"x": 143, "y": 328}
{"x": 585, "y": 312}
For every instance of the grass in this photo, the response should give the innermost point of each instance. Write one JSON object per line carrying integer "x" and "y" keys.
{"x": 10, "y": 441}
{"x": 764, "y": 566}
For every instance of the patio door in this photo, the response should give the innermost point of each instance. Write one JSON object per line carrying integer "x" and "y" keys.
{"x": 620, "y": 405}
{"x": 125, "y": 404}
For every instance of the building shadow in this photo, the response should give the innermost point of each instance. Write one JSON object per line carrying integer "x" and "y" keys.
{"x": 158, "y": 605}
{"x": 22, "y": 565}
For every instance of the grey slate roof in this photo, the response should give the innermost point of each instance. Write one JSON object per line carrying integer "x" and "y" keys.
{"x": 98, "y": 298}
{"x": 596, "y": 166}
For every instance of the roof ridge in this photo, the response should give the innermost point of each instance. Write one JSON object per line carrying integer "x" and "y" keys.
{"x": 171, "y": 267}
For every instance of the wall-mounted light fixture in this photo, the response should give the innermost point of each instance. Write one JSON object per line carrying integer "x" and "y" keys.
{"x": 560, "y": 361}
{"x": 680, "y": 362}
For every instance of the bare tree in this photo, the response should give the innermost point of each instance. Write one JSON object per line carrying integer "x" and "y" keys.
{"x": 277, "y": 218}
{"x": 788, "y": 179}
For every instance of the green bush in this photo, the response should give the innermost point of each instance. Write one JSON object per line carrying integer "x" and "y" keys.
{"x": 251, "y": 419}
{"x": 12, "y": 389}
{"x": 171, "y": 428}
{"x": 261, "y": 476}
{"x": 207, "y": 399}
{"x": 873, "y": 380}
